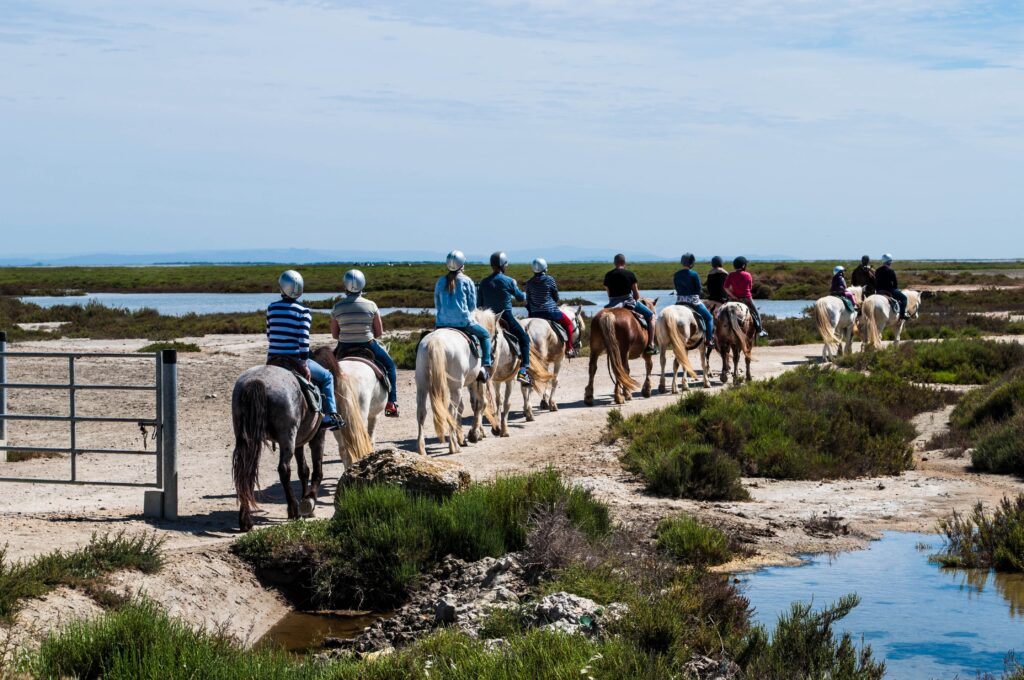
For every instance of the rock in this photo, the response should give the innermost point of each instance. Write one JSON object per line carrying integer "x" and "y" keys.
{"x": 503, "y": 594}
{"x": 437, "y": 478}
{"x": 444, "y": 612}
{"x": 572, "y": 614}
{"x": 495, "y": 644}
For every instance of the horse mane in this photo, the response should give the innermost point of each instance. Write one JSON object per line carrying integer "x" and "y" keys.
{"x": 913, "y": 301}
{"x": 487, "y": 319}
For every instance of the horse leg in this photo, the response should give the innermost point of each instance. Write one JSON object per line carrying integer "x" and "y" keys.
{"x": 556, "y": 369}
{"x": 284, "y": 470}
{"x": 661, "y": 383}
{"x": 588, "y": 393}
{"x": 506, "y": 407}
{"x": 736, "y": 365}
{"x": 316, "y": 454}
{"x": 421, "y": 416}
{"x": 457, "y": 438}
{"x": 705, "y": 364}
{"x": 649, "y": 365}
{"x": 723, "y": 350}
{"x": 303, "y": 469}
{"x": 747, "y": 357}
{"x": 897, "y": 332}
{"x": 476, "y": 402}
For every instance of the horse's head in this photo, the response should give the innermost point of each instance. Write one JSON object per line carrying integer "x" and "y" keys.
{"x": 649, "y": 303}
{"x": 487, "y": 319}
{"x": 913, "y": 302}
{"x": 858, "y": 293}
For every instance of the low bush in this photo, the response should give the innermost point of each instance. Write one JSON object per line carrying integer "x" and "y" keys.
{"x": 84, "y": 567}
{"x": 382, "y": 537}
{"x": 991, "y": 419}
{"x": 690, "y": 541}
{"x": 961, "y": 361}
{"x": 175, "y": 345}
{"x": 403, "y": 350}
{"x": 809, "y": 423}
{"x": 983, "y": 540}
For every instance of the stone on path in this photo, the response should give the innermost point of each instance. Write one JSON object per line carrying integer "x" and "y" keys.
{"x": 412, "y": 471}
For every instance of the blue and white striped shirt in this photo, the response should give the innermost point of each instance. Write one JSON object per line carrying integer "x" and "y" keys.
{"x": 541, "y": 294}
{"x": 288, "y": 326}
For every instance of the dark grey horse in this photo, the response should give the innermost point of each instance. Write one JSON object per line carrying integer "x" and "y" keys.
{"x": 267, "y": 405}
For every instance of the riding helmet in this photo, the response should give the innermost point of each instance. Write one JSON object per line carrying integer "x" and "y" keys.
{"x": 866, "y": 259}
{"x": 354, "y": 281}
{"x": 499, "y": 260}
{"x": 291, "y": 284}
{"x": 838, "y": 268}
{"x": 716, "y": 261}
{"x": 687, "y": 260}
{"x": 887, "y": 259}
{"x": 739, "y": 262}
{"x": 455, "y": 260}
{"x": 539, "y": 265}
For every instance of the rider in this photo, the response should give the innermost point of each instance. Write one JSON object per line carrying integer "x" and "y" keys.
{"x": 885, "y": 283}
{"x": 688, "y": 290}
{"x": 542, "y": 302}
{"x": 839, "y": 286}
{"x": 455, "y": 300}
{"x": 288, "y": 326}
{"x": 356, "y": 324}
{"x": 715, "y": 283}
{"x": 864, "y": 276}
{"x": 622, "y": 288}
{"x": 496, "y": 293}
{"x": 739, "y": 285}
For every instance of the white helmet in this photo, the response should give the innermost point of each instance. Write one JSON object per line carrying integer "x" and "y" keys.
{"x": 291, "y": 284}
{"x": 354, "y": 281}
{"x": 539, "y": 265}
{"x": 838, "y": 268}
{"x": 455, "y": 260}
{"x": 887, "y": 258}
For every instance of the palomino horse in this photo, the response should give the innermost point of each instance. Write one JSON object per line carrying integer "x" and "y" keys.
{"x": 677, "y": 331}
{"x": 836, "y": 324}
{"x": 618, "y": 332}
{"x": 267, "y": 404}
{"x": 734, "y": 333}
{"x": 504, "y": 371}
{"x": 877, "y": 315}
{"x": 361, "y": 399}
{"x": 445, "y": 363}
{"x": 550, "y": 348}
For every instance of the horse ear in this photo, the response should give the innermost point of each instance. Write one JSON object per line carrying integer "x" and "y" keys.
{"x": 655, "y": 302}
{"x": 579, "y": 309}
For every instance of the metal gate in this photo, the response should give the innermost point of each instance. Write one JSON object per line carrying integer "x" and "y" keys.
{"x": 162, "y": 499}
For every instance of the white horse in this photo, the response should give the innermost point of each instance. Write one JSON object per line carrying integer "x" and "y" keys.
{"x": 504, "y": 372}
{"x": 836, "y": 324}
{"x": 877, "y": 315}
{"x": 550, "y": 352}
{"x": 445, "y": 363}
{"x": 677, "y": 330}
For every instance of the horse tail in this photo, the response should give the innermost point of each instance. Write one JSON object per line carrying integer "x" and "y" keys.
{"x": 678, "y": 344}
{"x": 355, "y": 436}
{"x": 538, "y": 368}
{"x": 874, "y": 335}
{"x": 327, "y": 359}
{"x": 824, "y": 324}
{"x": 250, "y": 433}
{"x": 619, "y": 371}
{"x": 739, "y": 331}
{"x": 437, "y": 384}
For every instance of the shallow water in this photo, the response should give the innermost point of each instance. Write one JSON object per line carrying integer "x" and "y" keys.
{"x": 925, "y": 622}
{"x": 180, "y": 304}
{"x": 304, "y": 632}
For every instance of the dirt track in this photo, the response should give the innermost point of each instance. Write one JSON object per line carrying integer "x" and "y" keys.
{"x": 206, "y": 584}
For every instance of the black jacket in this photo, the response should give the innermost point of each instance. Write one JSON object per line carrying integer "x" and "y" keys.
{"x": 885, "y": 278}
{"x": 864, "y": 276}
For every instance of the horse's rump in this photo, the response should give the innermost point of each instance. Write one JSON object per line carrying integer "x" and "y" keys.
{"x": 607, "y": 324}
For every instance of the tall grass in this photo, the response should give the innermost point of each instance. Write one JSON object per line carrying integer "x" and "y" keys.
{"x": 382, "y": 537}
{"x": 983, "y": 540}
{"x": 691, "y": 541}
{"x": 961, "y": 361}
{"x": 84, "y": 567}
{"x": 809, "y": 423}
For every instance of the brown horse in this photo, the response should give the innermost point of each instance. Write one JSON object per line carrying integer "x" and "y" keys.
{"x": 618, "y": 332}
{"x": 734, "y": 333}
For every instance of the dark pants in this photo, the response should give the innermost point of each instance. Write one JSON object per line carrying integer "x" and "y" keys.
{"x": 897, "y": 295}
{"x": 383, "y": 358}
{"x": 516, "y": 329}
{"x": 749, "y": 302}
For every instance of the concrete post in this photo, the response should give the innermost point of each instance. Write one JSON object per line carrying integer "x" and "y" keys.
{"x": 169, "y": 431}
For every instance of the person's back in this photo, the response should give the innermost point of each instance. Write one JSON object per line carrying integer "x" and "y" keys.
{"x": 454, "y": 306}
{"x": 288, "y": 326}
{"x": 715, "y": 282}
{"x": 541, "y": 293}
{"x": 624, "y": 289}
{"x": 354, "y": 314}
{"x": 863, "y": 276}
{"x": 838, "y": 286}
{"x": 620, "y": 282}
{"x": 687, "y": 283}
{"x": 741, "y": 283}
{"x": 497, "y": 292}
{"x": 885, "y": 279}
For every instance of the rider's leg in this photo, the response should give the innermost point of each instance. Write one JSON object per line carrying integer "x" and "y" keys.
{"x": 901, "y": 298}
{"x": 384, "y": 358}
{"x": 649, "y": 315}
{"x": 323, "y": 379}
{"x": 709, "y": 322}
{"x": 566, "y": 323}
{"x": 749, "y": 302}
{"x": 485, "y": 341}
{"x": 516, "y": 329}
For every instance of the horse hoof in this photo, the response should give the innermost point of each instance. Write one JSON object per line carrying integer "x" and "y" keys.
{"x": 543, "y": 403}
{"x": 473, "y": 437}
{"x": 589, "y": 401}
{"x": 529, "y": 417}
{"x": 553, "y": 406}
{"x": 504, "y": 434}
{"x": 307, "y": 507}
{"x": 496, "y": 432}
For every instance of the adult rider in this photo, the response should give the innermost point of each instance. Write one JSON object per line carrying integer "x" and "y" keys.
{"x": 885, "y": 283}
{"x": 623, "y": 289}
{"x": 688, "y": 290}
{"x": 740, "y": 287}
{"x": 455, "y": 300}
{"x": 496, "y": 293}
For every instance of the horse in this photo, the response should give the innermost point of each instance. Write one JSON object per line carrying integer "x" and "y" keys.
{"x": 618, "y": 332}
{"x": 505, "y": 368}
{"x": 836, "y": 324}
{"x": 878, "y": 315}
{"x": 361, "y": 398}
{"x": 734, "y": 333}
{"x": 267, "y": 404}
{"x": 445, "y": 363}
{"x": 550, "y": 348}
{"x": 677, "y": 330}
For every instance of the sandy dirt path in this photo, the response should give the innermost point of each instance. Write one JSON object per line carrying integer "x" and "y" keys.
{"x": 204, "y": 582}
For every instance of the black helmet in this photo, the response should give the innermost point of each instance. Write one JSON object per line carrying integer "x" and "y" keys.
{"x": 499, "y": 260}
{"x": 865, "y": 259}
{"x": 716, "y": 261}
{"x": 739, "y": 262}
{"x": 687, "y": 260}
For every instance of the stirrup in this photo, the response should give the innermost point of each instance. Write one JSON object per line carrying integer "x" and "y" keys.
{"x": 391, "y": 410}
{"x": 332, "y": 421}
{"x": 651, "y": 349}
{"x": 484, "y": 375}
{"x": 524, "y": 377}
{"x": 570, "y": 352}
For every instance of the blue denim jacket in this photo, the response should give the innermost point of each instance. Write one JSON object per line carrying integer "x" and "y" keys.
{"x": 454, "y": 309}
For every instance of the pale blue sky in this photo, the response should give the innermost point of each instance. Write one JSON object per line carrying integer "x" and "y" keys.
{"x": 812, "y": 129}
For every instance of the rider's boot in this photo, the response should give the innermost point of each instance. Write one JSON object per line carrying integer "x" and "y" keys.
{"x": 524, "y": 377}
{"x": 332, "y": 421}
{"x": 484, "y": 375}
{"x": 391, "y": 410}
{"x": 652, "y": 347}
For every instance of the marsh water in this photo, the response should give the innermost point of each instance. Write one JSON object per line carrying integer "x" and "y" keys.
{"x": 304, "y": 632}
{"x": 925, "y": 622}
{"x": 180, "y": 304}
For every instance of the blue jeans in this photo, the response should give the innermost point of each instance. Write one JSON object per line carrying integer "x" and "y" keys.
{"x": 647, "y": 314}
{"x": 516, "y": 329}
{"x": 899, "y": 297}
{"x": 383, "y": 358}
{"x": 709, "y": 319}
{"x": 323, "y": 379}
{"x": 481, "y": 333}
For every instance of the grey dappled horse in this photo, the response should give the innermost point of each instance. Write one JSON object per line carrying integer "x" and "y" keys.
{"x": 267, "y": 405}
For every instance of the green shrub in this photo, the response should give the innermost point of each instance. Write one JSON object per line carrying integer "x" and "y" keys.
{"x": 403, "y": 351}
{"x": 688, "y": 540}
{"x": 981, "y": 540}
{"x": 991, "y": 419}
{"x": 950, "y": 361}
{"x": 1001, "y": 449}
{"x": 175, "y": 345}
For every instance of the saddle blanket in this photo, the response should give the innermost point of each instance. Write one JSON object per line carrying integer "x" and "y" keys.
{"x": 311, "y": 392}
{"x": 474, "y": 343}
{"x": 513, "y": 344}
{"x": 559, "y": 330}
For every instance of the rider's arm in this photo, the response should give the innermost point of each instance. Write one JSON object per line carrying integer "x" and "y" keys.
{"x": 554, "y": 290}
{"x": 517, "y": 291}
{"x": 335, "y": 331}
{"x": 636, "y": 291}
{"x": 378, "y": 325}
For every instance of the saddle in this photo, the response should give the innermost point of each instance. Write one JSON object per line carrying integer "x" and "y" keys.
{"x": 698, "y": 316}
{"x": 513, "y": 343}
{"x": 364, "y": 356}
{"x": 850, "y": 307}
{"x": 894, "y": 304}
{"x": 474, "y": 343}
{"x": 559, "y": 330}
{"x": 314, "y": 399}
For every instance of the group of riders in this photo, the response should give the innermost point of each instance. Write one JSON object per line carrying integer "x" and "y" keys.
{"x": 356, "y": 321}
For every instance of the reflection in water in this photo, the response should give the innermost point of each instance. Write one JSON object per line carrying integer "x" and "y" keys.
{"x": 302, "y": 632}
{"x": 922, "y": 620}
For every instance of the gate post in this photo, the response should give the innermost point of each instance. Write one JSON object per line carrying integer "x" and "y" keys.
{"x": 3, "y": 394}
{"x": 169, "y": 430}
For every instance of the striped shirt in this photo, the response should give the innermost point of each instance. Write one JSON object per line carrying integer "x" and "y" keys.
{"x": 541, "y": 294}
{"x": 354, "y": 315}
{"x": 288, "y": 326}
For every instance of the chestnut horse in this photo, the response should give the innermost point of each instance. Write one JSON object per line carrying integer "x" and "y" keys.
{"x": 618, "y": 333}
{"x": 734, "y": 333}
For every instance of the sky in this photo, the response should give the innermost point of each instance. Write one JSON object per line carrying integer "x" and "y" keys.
{"x": 771, "y": 127}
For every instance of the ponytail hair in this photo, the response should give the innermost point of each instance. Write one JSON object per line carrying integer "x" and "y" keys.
{"x": 450, "y": 280}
